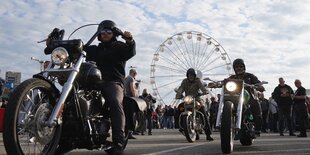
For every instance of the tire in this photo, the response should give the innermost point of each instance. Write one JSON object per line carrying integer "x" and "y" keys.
{"x": 245, "y": 139}
{"x": 189, "y": 131}
{"x": 227, "y": 131}
{"x": 29, "y": 104}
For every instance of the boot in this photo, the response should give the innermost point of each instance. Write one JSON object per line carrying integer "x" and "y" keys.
{"x": 117, "y": 150}
{"x": 130, "y": 136}
{"x": 209, "y": 138}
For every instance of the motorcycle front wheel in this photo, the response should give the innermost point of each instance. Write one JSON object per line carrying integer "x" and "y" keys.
{"x": 187, "y": 122}
{"x": 245, "y": 139}
{"x": 226, "y": 130}
{"x": 29, "y": 106}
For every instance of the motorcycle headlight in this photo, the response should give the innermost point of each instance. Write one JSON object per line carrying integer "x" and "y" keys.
{"x": 231, "y": 86}
{"x": 188, "y": 99}
{"x": 59, "y": 56}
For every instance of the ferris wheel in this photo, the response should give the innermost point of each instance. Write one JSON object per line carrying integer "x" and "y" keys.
{"x": 178, "y": 53}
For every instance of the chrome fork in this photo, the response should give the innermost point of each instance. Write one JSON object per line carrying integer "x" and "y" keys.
{"x": 57, "y": 111}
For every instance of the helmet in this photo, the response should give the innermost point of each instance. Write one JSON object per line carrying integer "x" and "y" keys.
{"x": 238, "y": 61}
{"x": 191, "y": 71}
{"x": 106, "y": 24}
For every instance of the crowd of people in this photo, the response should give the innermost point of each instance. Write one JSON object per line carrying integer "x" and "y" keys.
{"x": 285, "y": 111}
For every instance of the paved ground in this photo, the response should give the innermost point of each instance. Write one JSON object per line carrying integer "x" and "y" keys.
{"x": 170, "y": 141}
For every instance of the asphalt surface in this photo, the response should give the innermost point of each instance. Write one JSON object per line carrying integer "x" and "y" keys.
{"x": 171, "y": 142}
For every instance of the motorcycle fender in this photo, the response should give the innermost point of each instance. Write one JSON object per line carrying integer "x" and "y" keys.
{"x": 40, "y": 76}
{"x": 134, "y": 102}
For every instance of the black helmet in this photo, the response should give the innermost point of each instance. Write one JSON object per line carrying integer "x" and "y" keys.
{"x": 191, "y": 71}
{"x": 106, "y": 24}
{"x": 238, "y": 61}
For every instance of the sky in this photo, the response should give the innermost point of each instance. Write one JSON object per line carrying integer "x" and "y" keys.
{"x": 270, "y": 35}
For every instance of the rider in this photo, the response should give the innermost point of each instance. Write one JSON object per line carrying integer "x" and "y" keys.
{"x": 110, "y": 56}
{"x": 239, "y": 68}
{"x": 191, "y": 86}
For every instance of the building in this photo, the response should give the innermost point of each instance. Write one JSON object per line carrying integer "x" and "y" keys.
{"x": 13, "y": 77}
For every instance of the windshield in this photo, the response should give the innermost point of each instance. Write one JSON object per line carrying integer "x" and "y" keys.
{"x": 84, "y": 33}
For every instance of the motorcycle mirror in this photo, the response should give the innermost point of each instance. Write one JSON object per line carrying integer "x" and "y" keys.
{"x": 264, "y": 82}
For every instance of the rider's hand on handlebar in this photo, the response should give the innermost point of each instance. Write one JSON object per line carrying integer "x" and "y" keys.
{"x": 127, "y": 37}
{"x": 212, "y": 85}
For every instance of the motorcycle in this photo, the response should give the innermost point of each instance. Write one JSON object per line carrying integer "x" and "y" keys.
{"x": 62, "y": 107}
{"x": 234, "y": 116}
{"x": 191, "y": 120}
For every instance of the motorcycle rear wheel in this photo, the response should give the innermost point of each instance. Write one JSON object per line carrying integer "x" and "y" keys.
{"x": 29, "y": 105}
{"x": 245, "y": 139}
{"x": 188, "y": 126}
{"x": 226, "y": 130}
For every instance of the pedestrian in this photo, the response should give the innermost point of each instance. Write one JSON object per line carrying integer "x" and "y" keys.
{"x": 213, "y": 112}
{"x": 2, "y": 81}
{"x": 130, "y": 84}
{"x": 170, "y": 117}
{"x": 299, "y": 98}
{"x": 110, "y": 56}
{"x": 265, "y": 108}
{"x": 150, "y": 101}
{"x": 273, "y": 115}
{"x": 131, "y": 87}
{"x": 282, "y": 95}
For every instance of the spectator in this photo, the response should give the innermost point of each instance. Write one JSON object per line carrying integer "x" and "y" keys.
{"x": 160, "y": 113}
{"x": 301, "y": 108}
{"x": 170, "y": 117}
{"x": 2, "y": 81}
{"x": 273, "y": 115}
{"x": 130, "y": 84}
{"x": 131, "y": 91}
{"x": 213, "y": 112}
{"x": 176, "y": 117}
{"x": 282, "y": 95}
{"x": 265, "y": 107}
{"x": 165, "y": 117}
{"x": 150, "y": 100}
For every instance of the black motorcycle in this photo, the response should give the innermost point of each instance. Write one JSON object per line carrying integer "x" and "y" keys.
{"x": 191, "y": 120}
{"x": 42, "y": 119}
{"x": 234, "y": 116}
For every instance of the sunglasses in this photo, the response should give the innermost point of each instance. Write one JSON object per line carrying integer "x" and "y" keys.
{"x": 108, "y": 31}
{"x": 239, "y": 66}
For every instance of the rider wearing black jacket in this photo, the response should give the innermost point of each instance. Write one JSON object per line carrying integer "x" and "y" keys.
{"x": 111, "y": 56}
{"x": 239, "y": 68}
